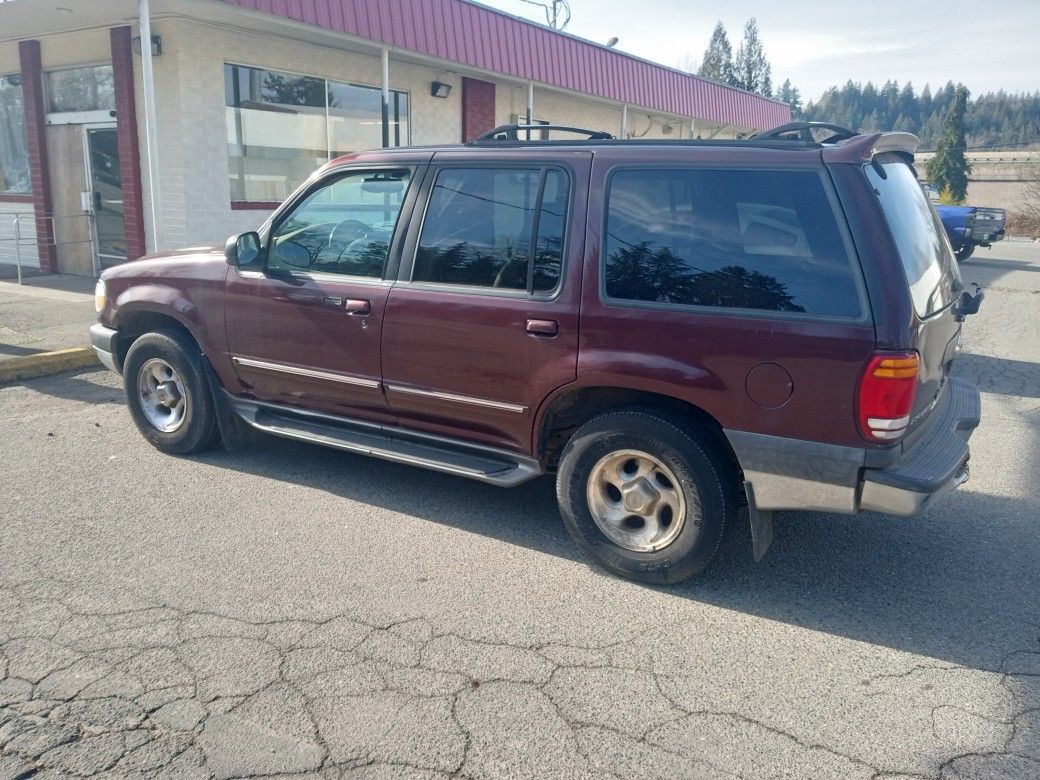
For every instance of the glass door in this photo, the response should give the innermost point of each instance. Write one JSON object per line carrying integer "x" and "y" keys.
{"x": 106, "y": 190}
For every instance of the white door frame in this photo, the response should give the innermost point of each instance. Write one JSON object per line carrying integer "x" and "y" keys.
{"x": 89, "y": 186}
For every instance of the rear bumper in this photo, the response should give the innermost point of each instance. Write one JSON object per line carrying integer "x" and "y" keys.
{"x": 103, "y": 340}
{"x": 795, "y": 474}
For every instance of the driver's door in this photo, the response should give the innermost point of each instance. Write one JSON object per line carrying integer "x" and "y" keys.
{"x": 304, "y": 324}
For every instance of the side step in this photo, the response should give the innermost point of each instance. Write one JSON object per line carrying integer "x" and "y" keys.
{"x": 486, "y": 464}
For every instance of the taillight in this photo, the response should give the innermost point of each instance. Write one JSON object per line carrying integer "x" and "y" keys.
{"x": 886, "y": 395}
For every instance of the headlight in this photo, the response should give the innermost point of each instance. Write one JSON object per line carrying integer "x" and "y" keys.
{"x": 99, "y": 296}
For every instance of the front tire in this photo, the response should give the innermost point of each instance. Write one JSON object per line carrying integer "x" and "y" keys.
{"x": 644, "y": 495}
{"x": 167, "y": 393}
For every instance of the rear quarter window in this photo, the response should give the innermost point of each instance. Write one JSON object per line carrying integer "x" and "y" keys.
{"x": 924, "y": 250}
{"x": 764, "y": 240}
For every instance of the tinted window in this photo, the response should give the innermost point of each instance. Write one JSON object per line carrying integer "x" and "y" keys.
{"x": 489, "y": 228}
{"x": 930, "y": 270}
{"x": 344, "y": 227}
{"x": 737, "y": 239}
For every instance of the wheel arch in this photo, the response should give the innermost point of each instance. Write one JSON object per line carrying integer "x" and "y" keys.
{"x": 570, "y": 408}
{"x": 138, "y": 321}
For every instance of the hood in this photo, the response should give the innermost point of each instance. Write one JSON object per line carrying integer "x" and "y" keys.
{"x": 176, "y": 262}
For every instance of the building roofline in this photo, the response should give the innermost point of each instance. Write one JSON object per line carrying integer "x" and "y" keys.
{"x": 620, "y": 53}
{"x": 496, "y": 42}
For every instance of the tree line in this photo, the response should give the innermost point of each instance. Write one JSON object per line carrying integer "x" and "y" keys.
{"x": 991, "y": 121}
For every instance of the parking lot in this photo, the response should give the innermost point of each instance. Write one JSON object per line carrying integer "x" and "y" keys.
{"x": 298, "y": 611}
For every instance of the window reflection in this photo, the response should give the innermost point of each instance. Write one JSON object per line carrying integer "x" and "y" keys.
{"x": 764, "y": 240}
{"x": 281, "y": 126}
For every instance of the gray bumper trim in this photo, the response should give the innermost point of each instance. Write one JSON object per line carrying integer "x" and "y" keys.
{"x": 103, "y": 340}
{"x": 796, "y": 474}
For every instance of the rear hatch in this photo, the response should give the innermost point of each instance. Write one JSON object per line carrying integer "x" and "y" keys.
{"x": 931, "y": 274}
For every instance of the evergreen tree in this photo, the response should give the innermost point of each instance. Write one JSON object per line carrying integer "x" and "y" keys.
{"x": 792, "y": 96}
{"x": 949, "y": 168}
{"x": 718, "y": 58}
{"x": 753, "y": 71}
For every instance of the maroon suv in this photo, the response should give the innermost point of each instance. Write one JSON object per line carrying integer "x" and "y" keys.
{"x": 669, "y": 327}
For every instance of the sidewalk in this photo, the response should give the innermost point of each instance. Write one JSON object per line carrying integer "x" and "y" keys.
{"x": 49, "y": 313}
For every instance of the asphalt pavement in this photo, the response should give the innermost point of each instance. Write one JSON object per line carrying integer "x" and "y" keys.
{"x": 298, "y": 611}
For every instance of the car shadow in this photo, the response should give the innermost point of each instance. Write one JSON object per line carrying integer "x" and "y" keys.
{"x": 958, "y": 583}
{"x": 1004, "y": 376}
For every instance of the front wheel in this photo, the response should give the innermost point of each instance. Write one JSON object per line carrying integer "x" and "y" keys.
{"x": 644, "y": 495}
{"x": 167, "y": 393}
{"x": 964, "y": 252}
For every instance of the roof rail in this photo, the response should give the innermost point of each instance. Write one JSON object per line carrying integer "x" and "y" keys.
{"x": 512, "y": 133}
{"x": 803, "y": 131}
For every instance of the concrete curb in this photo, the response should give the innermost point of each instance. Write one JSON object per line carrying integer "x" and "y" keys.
{"x": 46, "y": 363}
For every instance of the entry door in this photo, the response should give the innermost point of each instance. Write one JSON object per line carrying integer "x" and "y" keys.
{"x": 106, "y": 192}
{"x": 485, "y": 325}
{"x": 303, "y": 327}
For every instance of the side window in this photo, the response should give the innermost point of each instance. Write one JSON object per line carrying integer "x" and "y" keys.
{"x": 766, "y": 240}
{"x": 343, "y": 227}
{"x": 496, "y": 228}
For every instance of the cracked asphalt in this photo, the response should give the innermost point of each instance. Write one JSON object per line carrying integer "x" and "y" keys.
{"x": 293, "y": 611}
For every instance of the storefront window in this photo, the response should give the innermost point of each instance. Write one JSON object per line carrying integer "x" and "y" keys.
{"x": 81, "y": 89}
{"x": 281, "y": 127}
{"x": 14, "y": 153}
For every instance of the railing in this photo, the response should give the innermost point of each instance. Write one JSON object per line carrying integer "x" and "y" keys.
{"x": 21, "y": 240}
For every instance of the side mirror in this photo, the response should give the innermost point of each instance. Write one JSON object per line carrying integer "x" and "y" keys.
{"x": 242, "y": 250}
{"x": 968, "y": 303}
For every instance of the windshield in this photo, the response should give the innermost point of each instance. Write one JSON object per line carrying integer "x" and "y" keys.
{"x": 923, "y": 247}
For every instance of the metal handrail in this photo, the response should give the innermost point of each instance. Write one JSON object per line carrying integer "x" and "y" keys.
{"x": 20, "y": 240}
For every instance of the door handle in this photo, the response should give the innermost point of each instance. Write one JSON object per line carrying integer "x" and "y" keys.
{"x": 357, "y": 307}
{"x": 543, "y": 327}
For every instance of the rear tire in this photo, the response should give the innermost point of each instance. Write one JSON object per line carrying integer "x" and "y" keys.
{"x": 964, "y": 252}
{"x": 167, "y": 392}
{"x": 645, "y": 495}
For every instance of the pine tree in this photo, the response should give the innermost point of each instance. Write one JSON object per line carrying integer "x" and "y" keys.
{"x": 792, "y": 96}
{"x": 753, "y": 71}
{"x": 718, "y": 58}
{"x": 949, "y": 168}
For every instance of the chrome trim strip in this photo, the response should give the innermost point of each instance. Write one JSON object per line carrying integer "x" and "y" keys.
{"x": 307, "y": 372}
{"x": 460, "y": 399}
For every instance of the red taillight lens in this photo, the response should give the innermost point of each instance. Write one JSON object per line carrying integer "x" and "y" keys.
{"x": 886, "y": 395}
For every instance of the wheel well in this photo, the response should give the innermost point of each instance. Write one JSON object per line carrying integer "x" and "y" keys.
{"x": 572, "y": 410}
{"x": 136, "y": 324}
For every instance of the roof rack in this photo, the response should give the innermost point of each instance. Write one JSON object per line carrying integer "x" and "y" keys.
{"x": 512, "y": 133}
{"x": 803, "y": 131}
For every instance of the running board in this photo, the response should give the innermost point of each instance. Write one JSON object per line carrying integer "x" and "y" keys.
{"x": 497, "y": 467}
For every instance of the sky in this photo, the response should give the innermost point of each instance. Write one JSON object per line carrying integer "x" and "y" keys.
{"x": 987, "y": 46}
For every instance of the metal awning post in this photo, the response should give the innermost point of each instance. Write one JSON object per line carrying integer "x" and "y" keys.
{"x": 18, "y": 244}
{"x": 385, "y": 59}
{"x": 150, "y": 125}
{"x": 624, "y": 121}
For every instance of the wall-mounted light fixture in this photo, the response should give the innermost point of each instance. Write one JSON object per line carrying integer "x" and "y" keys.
{"x": 156, "y": 45}
{"x": 439, "y": 89}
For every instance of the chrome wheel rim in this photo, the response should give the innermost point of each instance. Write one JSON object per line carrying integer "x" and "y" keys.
{"x": 636, "y": 501}
{"x": 163, "y": 398}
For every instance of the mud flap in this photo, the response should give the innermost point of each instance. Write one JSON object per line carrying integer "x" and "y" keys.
{"x": 761, "y": 525}
{"x": 235, "y": 434}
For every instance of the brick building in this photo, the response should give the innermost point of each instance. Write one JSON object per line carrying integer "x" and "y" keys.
{"x": 247, "y": 97}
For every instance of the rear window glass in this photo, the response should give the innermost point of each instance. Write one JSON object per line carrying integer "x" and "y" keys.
{"x": 923, "y": 249}
{"x": 765, "y": 240}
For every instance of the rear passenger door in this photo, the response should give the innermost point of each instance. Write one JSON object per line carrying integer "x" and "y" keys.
{"x": 483, "y": 322}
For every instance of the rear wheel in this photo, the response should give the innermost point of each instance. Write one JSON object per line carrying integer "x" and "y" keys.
{"x": 964, "y": 252}
{"x": 645, "y": 496}
{"x": 167, "y": 393}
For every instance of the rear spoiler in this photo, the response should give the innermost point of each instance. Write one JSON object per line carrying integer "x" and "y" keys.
{"x": 863, "y": 148}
